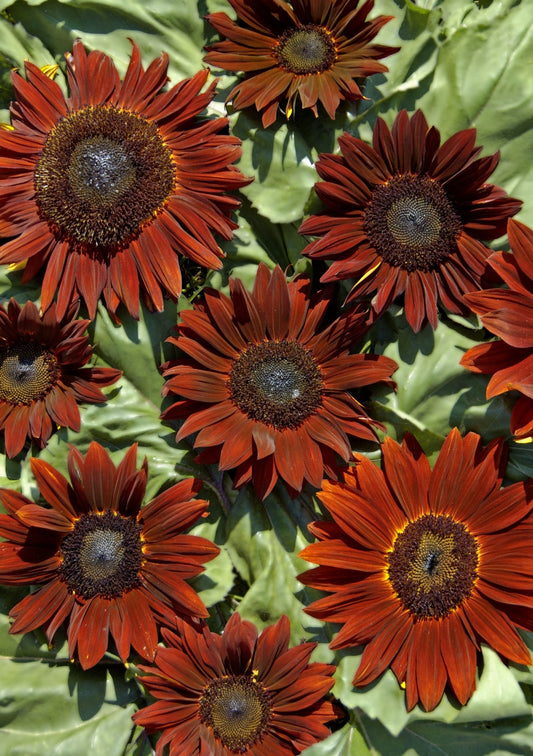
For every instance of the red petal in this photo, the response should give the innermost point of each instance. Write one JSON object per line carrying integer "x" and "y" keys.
{"x": 54, "y": 488}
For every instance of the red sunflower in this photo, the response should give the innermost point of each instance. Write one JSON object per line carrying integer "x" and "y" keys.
{"x": 408, "y": 216}
{"x": 311, "y": 49}
{"x": 266, "y": 388}
{"x": 104, "y": 188}
{"x": 42, "y": 373}
{"x": 236, "y": 693}
{"x": 424, "y": 565}
{"x": 107, "y": 566}
{"x": 508, "y": 313}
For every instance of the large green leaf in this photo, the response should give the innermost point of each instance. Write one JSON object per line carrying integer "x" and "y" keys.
{"x": 434, "y": 392}
{"x": 504, "y": 737}
{"x": 345, "y": 742}
{"x": 498, "y": 694}
{"x": 497, "y": 99}
{"x": 57, "y": 709}
{"x": 263, "y": 540}
{"x": 48, "y": 705}
{"x": 161, "y": 25}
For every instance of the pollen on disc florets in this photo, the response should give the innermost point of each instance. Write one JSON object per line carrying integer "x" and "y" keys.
{"x": 237, "y": 709}
{"x": 433, "y": 565}
{"x": 306, "y": 49}
{"x": 28, "y": 372}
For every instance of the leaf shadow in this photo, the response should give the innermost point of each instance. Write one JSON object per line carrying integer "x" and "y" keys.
{"x": 392, "y": 327}
{"x": 91, "y": 688}
{"x": 287, "y": 517}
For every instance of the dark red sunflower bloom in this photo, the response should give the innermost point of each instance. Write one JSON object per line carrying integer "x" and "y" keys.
{"x": 266, "y": 388}
{"x": 104, "y": 188}
{"x": 408, "y": 216}
{"x": 508, "y": 313}
{"x": 42, "y": 373}
{"x": 311, "y": 49}
{"x": 236, "y": 693}
{"x": 106, "y": 565}
{"x": 424, "y": 565}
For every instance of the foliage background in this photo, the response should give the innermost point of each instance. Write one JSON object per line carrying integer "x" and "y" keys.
{"x": 466, "y": 64}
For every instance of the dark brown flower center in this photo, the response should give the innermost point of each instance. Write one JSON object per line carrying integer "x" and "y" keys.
{"x": 27, "y": 372}
{"x": 102, "y": 175}
{"x": 277, "y": 383}
{"x": 306, "y": 50}
{"x": 237, "y": 709}
{"x": 102, "y": 556}
{"x": 433, "y": 565}
{"x": 411, "y": 223}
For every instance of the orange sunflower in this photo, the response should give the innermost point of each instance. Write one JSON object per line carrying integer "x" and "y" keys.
{"x": 311, "y": 49}
{"x": 424, "y": 565}
{"x": 105, "y": 188}
{"x": 236, "y": 693}
{"x": 107, "y": 566}
{"x": 408, "y": 216}
{"x": 266, "y": 388}
{"x": 508, "y": 313}
{"x": 42, "y": 373}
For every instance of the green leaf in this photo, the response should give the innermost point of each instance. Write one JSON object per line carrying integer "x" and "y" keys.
{"x": 498, "y": 694}
{"x": 345, "y": 742}
{"x": 17, "y": 46}
{"x": 282, "y": 164}
{"x": 491, "y": 738}
{"x": 497, "y": 99}
{"x": 257, "y": 240}
{"x": 60, "y": 709}
{"x": 435, "y": 393}
{"x": 161, "y": 25}
{"x": 264, "y": 540}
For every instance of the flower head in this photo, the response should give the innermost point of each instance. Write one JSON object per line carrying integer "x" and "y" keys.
{"x": 107, "y": 567}
{"x": 508, "y": 313}
{"x": 266, "y": 388}
{"x": 42, "y": 373}
{"x": 311, "y": 50}
{"x": 408, "y": 216}
{"x": 236, "y": 693}
{"x": 424, "y": 565}
{"x": 105, "y": 188}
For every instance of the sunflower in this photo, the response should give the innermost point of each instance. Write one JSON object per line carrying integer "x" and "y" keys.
{"x": 408, "y": 216}
{"x": 236, "y": 693}
{"x": 314, "y": 49}
{"x": 508, "y": 314}
{"x": 265, "y": 388}
{"x": 106, "y": 565}
{"x": 424, "y": 565}
{"x": 104, "y": 188}
{"x": 42, "y": 375}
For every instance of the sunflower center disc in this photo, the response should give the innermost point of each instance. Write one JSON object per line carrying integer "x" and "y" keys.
{"x": 433, "y": 565}
{"x": 102, "y": 556}
{"x": 237, "y": 709}
{"x": 100, "y": 170}
{"x": 103, "y": 174}
{"x": 411, "y": 223}
{"x": 306, "y": 50}
{"x": 277, "y": 383}
{"x": 27, "y": 372}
